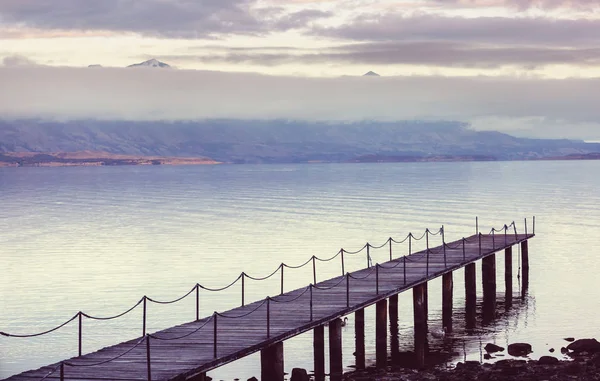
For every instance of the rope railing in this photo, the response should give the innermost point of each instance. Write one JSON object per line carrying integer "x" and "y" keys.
{"x": 411, "y": 257}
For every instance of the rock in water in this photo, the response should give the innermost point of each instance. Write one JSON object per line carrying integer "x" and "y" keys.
{"x": 492, "y": 348}
{"x": 299, "y": 374}
{"x": 253, "y": 379}
{"x": 570, "y": 339}
{"x": 584, "y": 345}
{"x": 547, "y": 360}
{"x": 519, "y": 349}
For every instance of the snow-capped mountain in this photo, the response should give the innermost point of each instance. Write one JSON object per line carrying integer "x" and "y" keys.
{"x": 151, "y": 63}
{"x": 371, "y": 74}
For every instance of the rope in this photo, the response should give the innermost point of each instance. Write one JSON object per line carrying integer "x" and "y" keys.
{"x": 329, "y": 259}
{"x": 380, "y": 246}
{"x": 329, "y": 288}
{"x": 51, "y": 372}
{"x": 115, "y": 316}
{"x": 222, "y": 288}
{"x": 404, "y": 240}
{"x": 356, "y": 252}
{"x": 243, "y": 315}
{"x": 291, "y": 300}
{"x": 107, "y": 361}
{"x": 41, "y": 333}
{"x": 418, "y": 239}
{"x": 297, "y": 267}
{"x": 266, "y": 277}
{"x": 361, "y": 278}
{"x": 172, "y": 301}
{"x": 398, "y": 263}
{"x": 184, "y": 336}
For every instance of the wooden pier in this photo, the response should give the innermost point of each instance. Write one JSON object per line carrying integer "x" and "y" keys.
{"x": 188, "y": 351}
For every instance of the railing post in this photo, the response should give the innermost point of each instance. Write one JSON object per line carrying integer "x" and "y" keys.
{"x": 343, "y": 269}
{"x": 404, "y": 260}
{"x": 515, "y": 230}
{"x": 148, "y": 358}
{"x": 427, "y": 272}
{"x": 62, "y": 371}
{"x": 144, "y": 317}
{"x": 377, "y": 278}
{"x": 310, "y": 291}
{"x": 390, "y": 240}
{"x": 409, "y": 243}
{"x": 368, "y": 255}
{"x": 525, "y": 227}
{"x": 533, "y": 225}
{"x": 505, "y": 230}
{"x": 477, "y": 225}
{"x": 281, "y": 293}
{"x": 480, "y": 244}
{"x": 444, "y": 246}
{"x": 493, "y": 238}
{"x": 464, "y": 251}
{"x": 268, "y": 317}
{"x": 314, "y": 270}
{"x": 427, "y": 238}
{"x": 80, "y": 318}
{"x": 197, "y": 301}
{"x": 348, "y": 290}
{"x": 215, "y": 334}
{"x": 243, "y": 287}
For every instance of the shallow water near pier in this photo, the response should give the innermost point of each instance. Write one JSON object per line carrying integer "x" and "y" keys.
{"x": 97, "y": 239}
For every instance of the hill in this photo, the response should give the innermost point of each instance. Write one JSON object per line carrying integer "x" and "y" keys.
{"x": 279, "y": 141}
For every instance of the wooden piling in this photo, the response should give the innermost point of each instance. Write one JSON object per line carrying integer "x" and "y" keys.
{"x": 420, "y": 316}
{"x": 394, "y": 328}
{"x": 524, "y": 267}
{"x": 359, "y": 337}
{"x": 508, "y": 277}
{"x": 335, "y": 350}
{"x": 319, "y": 352}
{"x": 488, "y": 278}
{"x": 470, "y": 295}
{"x": 381, "y": 333}
{"x": 271, "y": 362}
{"x": 447, "y": 288}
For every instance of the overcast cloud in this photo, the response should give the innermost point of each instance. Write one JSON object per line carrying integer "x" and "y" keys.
{"x": 149, "y": 94}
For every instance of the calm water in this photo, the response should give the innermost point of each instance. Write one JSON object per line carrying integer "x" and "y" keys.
{"x": 97, "y": 239}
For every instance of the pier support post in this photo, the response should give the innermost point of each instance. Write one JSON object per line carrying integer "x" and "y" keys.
{"x": 319, "y": 352}
{"x": 525, "y": 267}
{"x": 447, "y": 288}
{"x": 488, "y": 277}
{"x": 381, "y": 333}
{"x": 359, "y": 337}
{"x": 420, "y": 316}
{"x": 394, "y": 328}
{"x": 271, "y": 362}
{"x": 335, "y": 350}
{"x": 470, "y": 295}
{"x": 508, "y": 277}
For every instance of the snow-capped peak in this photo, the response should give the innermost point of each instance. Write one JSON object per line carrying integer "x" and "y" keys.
{"x": 151, "y": 63}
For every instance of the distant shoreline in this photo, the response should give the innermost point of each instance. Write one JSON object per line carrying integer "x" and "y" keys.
{"x": 97, "y": 159}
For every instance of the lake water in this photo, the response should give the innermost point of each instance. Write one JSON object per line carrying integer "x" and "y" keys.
{"x": 98, "y": 239}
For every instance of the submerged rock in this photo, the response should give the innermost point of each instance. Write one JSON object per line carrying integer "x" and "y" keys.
{"x": 584, "y": 345}
{"x": 299, "y": 374}
{"x": 491, "y": 348}
{"x": 548, "y": 360}
{"x": 519, "y": 349}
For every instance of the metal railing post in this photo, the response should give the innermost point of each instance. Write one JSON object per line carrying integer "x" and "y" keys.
{"x": 377, "y": 278}
{"x": 404, "y": 269}
{"x": 444, "y": 246}
{"x": 148, "y": 358}
{"x": 427, "y": 272}
{"x": 314, "y": 270}
{"x": 464, "y": 251}
{"x": 368, "y": 255}
{"x": 197, "y": 301}
{"x": 409, "y": 243}
{"x": 480, "y": 244}
{"x": 62, "y": 371}
{"x": 215, "y": 334}
{"x": 144, "y": 317}
{"x": 268, "y": 317}
{"x": 493, "y": 238}
{"x": 390, "y": 240}
{"x": 525, "y": 227}
{"x": 476, "y": 225}
{"x": 281, "y": 293}
{"x": 427, "y": 238}
{"x": 348, "y": 290}
{"x": 243, "y": 287}
{"x": 310, "y": 291}
{"x": 80, "y": 333}
{"x": 343, "y": 269}
{"x": 533, "y": 225}
{"x": 505, "y": 230}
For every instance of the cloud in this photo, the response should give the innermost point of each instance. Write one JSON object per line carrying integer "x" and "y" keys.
{"x": 163, "y": 18}
{"x": 525, "y": 4}
{"x": 430, "y": 53}
{"x": 153, "y": 94}
{"x": 486, "y": 30}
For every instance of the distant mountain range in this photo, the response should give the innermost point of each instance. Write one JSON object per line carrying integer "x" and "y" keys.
{"x": 151, "y": 63}
{"x": 279, "y": 141}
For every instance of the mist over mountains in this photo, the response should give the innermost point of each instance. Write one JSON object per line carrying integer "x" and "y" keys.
{"x": 280, "y": 141}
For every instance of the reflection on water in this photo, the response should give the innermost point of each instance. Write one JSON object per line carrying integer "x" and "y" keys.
{"x": 97, "y": 239}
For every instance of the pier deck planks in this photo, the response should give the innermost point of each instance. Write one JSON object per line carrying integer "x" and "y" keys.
{"x": 239, "y": 335}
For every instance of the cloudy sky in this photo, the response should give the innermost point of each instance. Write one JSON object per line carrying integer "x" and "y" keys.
{"x": 529, "y": 67}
